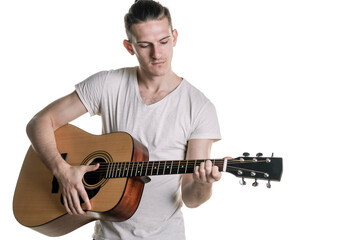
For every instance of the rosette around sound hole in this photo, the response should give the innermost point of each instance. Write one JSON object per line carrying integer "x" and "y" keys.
{"x": 93, "y": 181}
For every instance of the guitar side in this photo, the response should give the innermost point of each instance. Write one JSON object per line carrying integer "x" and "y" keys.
{"x": 37, "y": 199}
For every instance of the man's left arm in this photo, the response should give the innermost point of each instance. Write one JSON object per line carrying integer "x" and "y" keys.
{"x": 197, "y": 187}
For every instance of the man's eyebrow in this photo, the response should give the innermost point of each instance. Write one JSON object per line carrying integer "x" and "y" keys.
{"x": 164, "y": 38}
{"x": 139, "y": 42}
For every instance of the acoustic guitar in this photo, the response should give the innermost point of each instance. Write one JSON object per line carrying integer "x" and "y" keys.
{"x": 115, "y": 188}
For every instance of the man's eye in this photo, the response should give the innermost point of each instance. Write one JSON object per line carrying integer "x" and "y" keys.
{"x": 143, "y": 46}
{"x": 163, "y": 43}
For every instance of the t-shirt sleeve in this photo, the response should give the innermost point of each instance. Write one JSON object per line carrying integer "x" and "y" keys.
{"x": 90, "y": 92}
{"x": 206, "y": 124}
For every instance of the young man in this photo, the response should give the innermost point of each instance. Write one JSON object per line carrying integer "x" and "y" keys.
{"x": 163, "y": 111}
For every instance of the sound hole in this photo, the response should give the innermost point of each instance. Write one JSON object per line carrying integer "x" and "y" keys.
{"x": 93, "y": 178}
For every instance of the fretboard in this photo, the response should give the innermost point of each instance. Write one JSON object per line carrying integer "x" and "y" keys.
{"x": 153, "y": 168}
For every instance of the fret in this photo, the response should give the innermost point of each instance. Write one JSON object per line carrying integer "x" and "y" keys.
{"x": 120, "y": 167}
{"x": 116, "y": 169}
{"x": 181, "y": 169}
{"x": 187, "y": 161}
{"x": 152, "y": 168}
{"x": 107, "y": 171}
{"x": 177, "y": 172}
{"x": 168, "y": 168}
{"x": 142, "y": 165}
{"x": 125, "y": 173}
{"x": 221, "y": 165}
{"x": 111, "y": 170}
{"x": 127, "y": 169}
{"x": 123, "y": 169}
{"x": 132, "y": 169}
{"x": 171, "y": 168}
{"x": 164, "y": 168}
{"x": 137, "y": 169}
{"x": 157, "y": 173}
{"x": 155, "y": 168}
{"x": 134, "y": 172}
{"x": 146, "y": 170}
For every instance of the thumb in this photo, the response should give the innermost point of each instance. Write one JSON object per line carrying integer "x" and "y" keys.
{"x": 91, "y": 168}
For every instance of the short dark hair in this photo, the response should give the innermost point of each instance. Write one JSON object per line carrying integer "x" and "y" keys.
{"x": 144, "y": 10}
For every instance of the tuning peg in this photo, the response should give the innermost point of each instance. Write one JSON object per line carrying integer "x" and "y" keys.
{"x": 246, "y": 154}
{"x": 255, "y": 184}
{"x": 268, "y": 185}
{"x": 259, "y": 154}
{"x": 242, "y": 181}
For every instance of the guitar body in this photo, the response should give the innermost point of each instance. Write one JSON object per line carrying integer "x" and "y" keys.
{"x": 37, "y": 200}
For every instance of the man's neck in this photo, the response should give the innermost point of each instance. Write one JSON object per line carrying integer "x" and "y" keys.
{"x": 154, "y": 88}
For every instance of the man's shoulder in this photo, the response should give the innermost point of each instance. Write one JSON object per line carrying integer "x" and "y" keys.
{"x": 119, "y": 76}
{"x": 123, "y": 71}
{"x": 194, "y": 93}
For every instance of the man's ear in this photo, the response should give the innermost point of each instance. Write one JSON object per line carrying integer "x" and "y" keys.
{"x": 128, "y": 47}
{"x": 175, "y": 36}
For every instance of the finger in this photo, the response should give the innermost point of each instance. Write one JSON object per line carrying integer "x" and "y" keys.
{"x": 85, "y": 198}
{"x": 208, "y": 167}
{"x": 70, "y": 205}
{"x": 208, "y": 170}
{"x": 216, "y": 174}
{"x": 66, "y": 205}
{"x": 202, "y": 172}
{"x": 196, "y": 174}
{"x": 76, "y": 203}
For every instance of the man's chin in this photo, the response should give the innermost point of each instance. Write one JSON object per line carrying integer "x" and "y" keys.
{"x": 159, "y": 71}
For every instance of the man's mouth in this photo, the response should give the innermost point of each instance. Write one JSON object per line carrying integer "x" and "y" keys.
{"x": 158, "y": 63}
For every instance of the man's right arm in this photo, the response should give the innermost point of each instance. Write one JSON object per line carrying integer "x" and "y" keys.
{"x": 40, "y": 131}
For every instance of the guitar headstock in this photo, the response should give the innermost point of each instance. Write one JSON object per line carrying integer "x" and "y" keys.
{"x": 259, "y": 167}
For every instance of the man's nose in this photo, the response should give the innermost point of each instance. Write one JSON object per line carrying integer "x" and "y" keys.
{"x": 156, "y": 53}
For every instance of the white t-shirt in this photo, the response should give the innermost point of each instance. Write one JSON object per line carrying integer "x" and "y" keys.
{"x": 164, "y": 128}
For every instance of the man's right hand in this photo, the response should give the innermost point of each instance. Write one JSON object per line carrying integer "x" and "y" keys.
{"x": 72, "y": 188}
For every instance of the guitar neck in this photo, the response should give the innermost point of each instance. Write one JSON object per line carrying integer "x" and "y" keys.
{"x": 153, "y": 168}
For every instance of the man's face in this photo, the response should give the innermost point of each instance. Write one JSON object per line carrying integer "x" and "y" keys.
{"x": 153, "y": 43}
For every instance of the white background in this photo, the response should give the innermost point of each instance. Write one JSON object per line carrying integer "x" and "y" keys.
{"x": 282, "y": 74}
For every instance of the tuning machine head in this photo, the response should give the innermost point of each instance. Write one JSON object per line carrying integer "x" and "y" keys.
{"x": 255, "y": 184}
{"x": 246, "y": 154}
{"x": 242, "y": 181}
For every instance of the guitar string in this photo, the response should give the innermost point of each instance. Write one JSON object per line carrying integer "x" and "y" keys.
{"x": 168, "y": 162}
{"x": 163, "y": 164}
{"x": 93, "y": 175}
{"x": 117, "y": 173}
